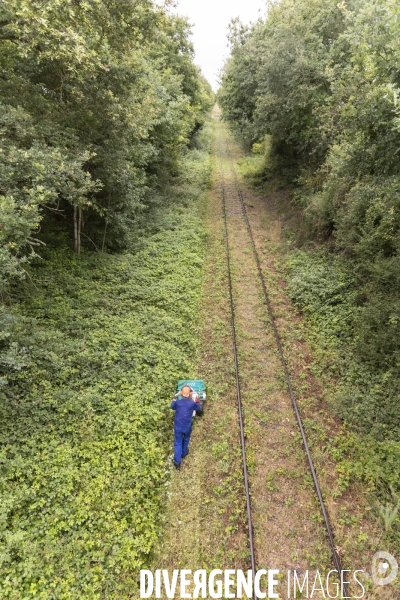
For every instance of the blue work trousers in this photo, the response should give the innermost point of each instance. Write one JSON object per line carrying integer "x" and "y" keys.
{"x": 181, "y": 444}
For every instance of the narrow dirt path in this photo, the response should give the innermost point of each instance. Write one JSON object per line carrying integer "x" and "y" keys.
{"x": 205, "y": 522}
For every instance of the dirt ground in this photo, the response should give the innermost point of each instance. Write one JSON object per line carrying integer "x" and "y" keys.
{"x": 205, "y": 521}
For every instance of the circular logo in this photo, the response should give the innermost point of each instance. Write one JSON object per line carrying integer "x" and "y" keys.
{"x": 384, "y": 568}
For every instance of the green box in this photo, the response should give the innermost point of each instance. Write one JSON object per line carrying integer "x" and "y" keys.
{"x": 197, "y": 385}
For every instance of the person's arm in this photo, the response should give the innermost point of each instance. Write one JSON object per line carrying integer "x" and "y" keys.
{"x": 173, "y": 404}
{"x": 197, "y": 406}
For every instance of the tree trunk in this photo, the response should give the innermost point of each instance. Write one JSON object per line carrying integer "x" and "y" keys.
{"x": 104, "y": 237}
{"x": 75, "y": 229}
{"x": 106, "y": 225}
{"x": 79, "y": 230}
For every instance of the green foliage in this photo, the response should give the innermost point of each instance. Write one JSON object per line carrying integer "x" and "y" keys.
{"x": 322, "y": 80}
{"x": 98, "y": 101}
{"x": 276, "y": 77}
{"x": 326, "y": 290}
{"x": 90, "y": 354}
{"x": 389, "y": 512}
{"x": 33, "y": 175}
{"x": 368, "y": 447}
{"x": 322, "y": 287}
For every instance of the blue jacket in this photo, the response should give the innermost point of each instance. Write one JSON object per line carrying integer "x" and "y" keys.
{"x": 184, "y": 408}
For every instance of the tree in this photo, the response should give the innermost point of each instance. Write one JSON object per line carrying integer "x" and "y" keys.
{"x": 98, "y": 100}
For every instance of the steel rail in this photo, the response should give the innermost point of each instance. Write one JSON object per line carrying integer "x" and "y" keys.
{"x": 335, "y": 555}
{"x": 236, "y": 361}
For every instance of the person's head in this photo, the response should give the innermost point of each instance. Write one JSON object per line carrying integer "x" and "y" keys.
{"x": 185, "y": 391}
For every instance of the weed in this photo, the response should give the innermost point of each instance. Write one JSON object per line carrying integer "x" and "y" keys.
{"x": 388, "y": 513}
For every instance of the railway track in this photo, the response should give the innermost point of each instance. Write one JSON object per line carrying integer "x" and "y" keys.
{"x": 233, "y": 205}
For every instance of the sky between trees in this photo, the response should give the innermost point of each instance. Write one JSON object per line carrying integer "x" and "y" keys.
{"x": 210, "y": 19}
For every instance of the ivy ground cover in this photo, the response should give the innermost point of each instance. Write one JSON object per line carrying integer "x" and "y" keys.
{"x": 90, "y": 355}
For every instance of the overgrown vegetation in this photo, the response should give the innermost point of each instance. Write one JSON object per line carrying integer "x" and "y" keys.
{"x": 367, "y": 449}
{"x": 97, "y": 101}
{"x": 315, "y": 88}
{"x": 103, "y": 161}
{"x": 91, "y": 349}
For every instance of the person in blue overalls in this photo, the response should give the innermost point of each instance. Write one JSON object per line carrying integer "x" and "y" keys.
{"x": 183, "y": 406}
